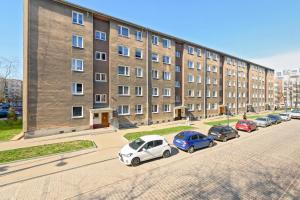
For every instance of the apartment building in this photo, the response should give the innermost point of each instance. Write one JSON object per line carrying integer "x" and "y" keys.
{"x": 84, "y": 69}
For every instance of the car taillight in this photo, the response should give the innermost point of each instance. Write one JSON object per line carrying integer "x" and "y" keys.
{"x": 184, "y": 143}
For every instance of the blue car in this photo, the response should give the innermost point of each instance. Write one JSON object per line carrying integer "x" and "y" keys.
{"x": 192, "y": 140}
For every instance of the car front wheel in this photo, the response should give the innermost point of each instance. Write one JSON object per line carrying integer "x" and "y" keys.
{"x": 166, "y": 154}
{"x": 135, "y": 162}
{"x": 191, "y": 149}
{"x": 210, "y": 144}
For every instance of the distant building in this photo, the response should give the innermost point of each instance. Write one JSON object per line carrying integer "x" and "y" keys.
{"x": 11, "y": 89}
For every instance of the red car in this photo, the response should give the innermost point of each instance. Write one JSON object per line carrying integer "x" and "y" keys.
{"x": 245, "y": 125}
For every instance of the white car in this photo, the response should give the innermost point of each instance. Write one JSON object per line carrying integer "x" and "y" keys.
{"x": 285, "y": 116}
{"x": 144, "y": 148}
{"x": 295, "y": 114}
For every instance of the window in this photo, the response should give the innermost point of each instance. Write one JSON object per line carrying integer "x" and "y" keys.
{"x": 154, "y": 108}
{"x": 123, "y": 70}
{"x": 167, "y": 76}
{"x": 199, "y": 93}
{"x": 77, "y": 88}
{"x": 198, "y": 79}
{"x": 198, "y": 52}
{"x": 138, "y": 91}
{"x": 190, "y": 64}
{"x": 167, "y": 107}
{"x": 191, "y": 107}
{"x": 139, "y": 72}
{"x": 154, "y": 57}
{"x": 178, "y": 54}
{"x": 123, "y": 51}
{"x": 77, "y": 41}
{"x": 155, "y": 40}
{"x": 155, "y": 92}
{"x": 166, "y": 92}
{"x": 123, "y": 90}
{"x": 208, "y": 68}
{"x": 208, "y": 106}
{"x": 138, "y": 35}
{"x": 190, "y": 50}
{"x": 155, "y": 74}
{"x": 177, "y": 84}
{"x": 229, "y": 95}
{"x": 214, "y": 94}
{"x": 207, "y": 93}
{"x": 77, "y": 18}
{"x": 214, "y": 68}
{"x": 138, "y": 109}
{"x": 208, "y": 80}
{"x": 190, "y": 78}
{"x": 100, "y": 56}
{"x": 123, "y": 31}
{"x": 198, "y": 66}
{"x": 166, "y": 60}
{"x": 166, "y": 43}
{"x": 101, "y": 77}
{"x": 77, "y": 64}
{"x": 77, "y": 112}
{"x": 123, "y": 110}
{"x": 199, "y": 107}
{"x": 177, "y": 68}
{"x": 191, "y": 93}
{"x": 215, "y": 82}
{"x": 100, "y": 98}
{"x": 99, "y": 35}
{"x": 138, "y": 53}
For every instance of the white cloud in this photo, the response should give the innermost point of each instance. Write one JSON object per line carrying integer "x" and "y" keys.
{"x": 279, "y": 62}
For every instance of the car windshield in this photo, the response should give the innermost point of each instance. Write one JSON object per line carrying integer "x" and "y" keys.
{"x": 216, "y": 129}
{"x": 136, "y": 143}
{"x": 283, "y": 114}
{"x": 243, "y": 122}
{"x": 261, "y": 119}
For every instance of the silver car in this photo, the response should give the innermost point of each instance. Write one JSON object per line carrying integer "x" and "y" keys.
{"x": 295, "y": 114}
{"x": 285, "y": 116}
{"x": 263, "y": 121}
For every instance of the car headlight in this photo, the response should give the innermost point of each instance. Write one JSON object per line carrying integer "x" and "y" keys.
{"x": 127, "y": 155}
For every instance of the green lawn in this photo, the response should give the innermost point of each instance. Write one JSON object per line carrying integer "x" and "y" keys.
{"x": 165, "y": 131}
{"x": 43, "y": 150}
{"x": 9, "y": 128}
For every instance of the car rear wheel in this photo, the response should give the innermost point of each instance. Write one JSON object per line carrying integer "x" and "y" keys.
{"x": 249, "y": 130}
{"x": 166, "y": 154}
{"x": 225, "y": 139}
{"x": 191, "y": 149}
{"x": 135, "y": 162}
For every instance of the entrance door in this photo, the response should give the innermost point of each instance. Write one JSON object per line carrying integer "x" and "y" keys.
{"x": 104, "y": 119}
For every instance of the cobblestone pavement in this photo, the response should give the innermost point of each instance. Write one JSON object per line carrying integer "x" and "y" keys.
{"x": 259, "y": 165}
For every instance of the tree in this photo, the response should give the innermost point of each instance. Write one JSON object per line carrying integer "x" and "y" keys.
{"x": 7, "y": 70}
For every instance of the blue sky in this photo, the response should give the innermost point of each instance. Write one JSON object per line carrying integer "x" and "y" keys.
{"x": 260, "y": 30}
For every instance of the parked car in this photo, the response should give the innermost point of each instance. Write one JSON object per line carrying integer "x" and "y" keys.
{"x": 3, "y": 113}
{"x": 276, "y": 119}
{"x": 285, "y": 116}
{"x": 192, "y": 140}
{"x": 263, "y": 121}
{"x": 144, "y": 148}
{"x": 245, "y": 125}
{"x": 295, "y": 114}
{"x": 223, "y": 133}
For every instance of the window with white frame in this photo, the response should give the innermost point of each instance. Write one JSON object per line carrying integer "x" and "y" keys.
{"x": 123, "y": 51}
{"x": 139, "y": 72}
{"x": 190, "y": 50}
{"x": 178, "y": 54}
{"x": 214, "y": 68}
{"x": 207, "y": 93}
{"x": 209, "y": 54}
{"x": 167, "y": 107}
{"x": 215, "y": 94}
{"x": 155, "y": 92}
{"x": 167, "y": 92}
{"x": 199, "y": 93}
{"x": 198, "y": 79}
{"x": 138, "y": 109}
{"x": 77, "y": 41}
{"x": 229, "y": 95}
{"x": 166, "y": 59}
{"x": 191, "y": 107}
{"x": 208, "y": 68}
{"x": 77, "y": 88}
{"x": 138, "y": 35}
{"x": 77, "y": 111}
{"x": 177, "y": 84}
{"x": 199, "y": 107}
{"x": 208, "y": 106}
{"x": 167, "y": 76}
{"x": 155, "y": 109}
{"x": 199, "y": 52}
{"x": 123, "y": 31}
{"x": 123, "y": 110}
{"x": 155, "y": 40}
{"x": 198, "y": 66}
{"x": 100, "y": 77}
{"x": 154, "y": 57}
{"x": 190, "y": 78}
{"x": 123, "y": 70}
{"x": 100, "y": 56}
{"x": 100, "y": 98}
{"x": 155, "y": 74}
{"x": 177, "y": 68}
{"x": 191, "y": 93}
{"x": 166, "y": 43}
{"x": 138, "y": 53}
{"x": 99, "y": 35}
{"x": 215, "y": 81}
{"x": 138, "y": 91}
{"x": 123, "y": 90}
{"x": 190, "y": 64}
{"x": 77, "y": 64}
{"x": 77, "y": 18}
{"x": 208, "y": 80}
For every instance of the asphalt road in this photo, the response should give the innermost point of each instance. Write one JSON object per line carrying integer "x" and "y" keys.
{"x": 260, "y": 165}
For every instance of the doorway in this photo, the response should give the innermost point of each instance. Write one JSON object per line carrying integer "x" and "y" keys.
{"x": 104, "y": 119}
